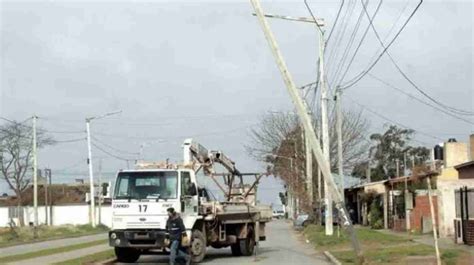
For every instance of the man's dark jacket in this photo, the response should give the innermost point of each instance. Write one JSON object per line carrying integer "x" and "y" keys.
{"x": 175, "y": 228}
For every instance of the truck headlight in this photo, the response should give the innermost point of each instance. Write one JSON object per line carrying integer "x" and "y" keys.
{"x": 117, "y": 241}
{"x": 113, "y": 236}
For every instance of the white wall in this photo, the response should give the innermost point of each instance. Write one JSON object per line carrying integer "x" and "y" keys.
{"x": 447, "y": 204}
{"x": 62, "y": 214}
{"x": 4, "y": 216}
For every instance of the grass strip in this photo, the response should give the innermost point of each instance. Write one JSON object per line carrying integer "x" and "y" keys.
{"x": 51, "y": 251}
{"x": 379, "y": 248}
{"x": 24, "y": 235}
{"x": 91, "y": 259}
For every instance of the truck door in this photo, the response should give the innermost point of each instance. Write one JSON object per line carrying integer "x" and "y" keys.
{"x": 189, "y": 200}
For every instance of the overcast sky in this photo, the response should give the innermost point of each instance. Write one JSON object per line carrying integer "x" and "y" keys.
{"x": 203, "y": 69}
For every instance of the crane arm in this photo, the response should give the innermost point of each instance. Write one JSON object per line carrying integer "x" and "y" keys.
{"x": 194, "y": 151}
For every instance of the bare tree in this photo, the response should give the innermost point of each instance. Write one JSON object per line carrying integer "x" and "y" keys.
{"x": 16, "y": 154}
{"x": 276, "y": 127}
{"x": 278, "y": 140}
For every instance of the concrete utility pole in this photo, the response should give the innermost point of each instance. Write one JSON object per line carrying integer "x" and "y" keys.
{"x": 306, "y": 119}
{"x": 46, "y": 197}
{"x": 309, "y": 169}
{"x": 91, "y": 172}
{"x": 325, "y": 133}
{"x": 369, "y": 173}
{"x": 339, "y": 138}
{"x": 433, "y": 220}
{"x": 397, "y": 162}
{"x": 100, "y": 191}
{"x": 47, "y": 173}
{"x": 405, "y": 172}
{"x": 35, "y": 177}
{"x": 89, "y": 161}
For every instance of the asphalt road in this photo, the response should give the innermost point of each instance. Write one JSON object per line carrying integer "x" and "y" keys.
{"x": 283, "y": 246}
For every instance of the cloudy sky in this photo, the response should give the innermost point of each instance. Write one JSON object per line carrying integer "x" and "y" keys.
{"x": 202, "y": 69}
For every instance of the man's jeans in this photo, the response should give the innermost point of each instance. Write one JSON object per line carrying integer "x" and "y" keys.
{"x": 176, "y": 252}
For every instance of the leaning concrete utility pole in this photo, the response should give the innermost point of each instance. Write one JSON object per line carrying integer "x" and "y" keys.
{"x": 306, "y": 120}
{"x": 35, "y": 177}
{"x": 325, "y": 134}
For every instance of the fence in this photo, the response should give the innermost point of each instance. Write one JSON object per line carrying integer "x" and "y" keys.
{"x": 464, "y": 202}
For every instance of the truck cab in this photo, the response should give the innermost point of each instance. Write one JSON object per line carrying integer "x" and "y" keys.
{"x": 139, "y": 205}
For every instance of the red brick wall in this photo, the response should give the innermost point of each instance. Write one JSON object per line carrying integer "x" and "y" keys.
{"x": 422, "y": 208}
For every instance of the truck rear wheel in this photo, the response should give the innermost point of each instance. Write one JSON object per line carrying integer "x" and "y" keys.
{"x": 235, "y": 249}
{"x": 247, "y": 245}
{"x": 127, "y": 255}
{"x": 198, "y": 246}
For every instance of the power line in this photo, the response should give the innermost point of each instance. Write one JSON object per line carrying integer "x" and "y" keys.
{"x": 360, "y": 44}
{"x": 113, "y": 148}
{"x": 343, "y": 59}
{"x": 419, "y": 100}
{"x": 363, "y": 73}
{"x": 452, "y": 109}
{"x": 335, "y": 22}
{"x": 377, "y": 113}
{"x": 69, "y": 141}
{"x": 312, "y": 15}
{"x": 110, "y": 154}
{"x": 340, "y": 35}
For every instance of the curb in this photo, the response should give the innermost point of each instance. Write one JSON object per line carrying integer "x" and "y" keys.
{"x": 331, "y": 258}
{"x": 107, "y": 261}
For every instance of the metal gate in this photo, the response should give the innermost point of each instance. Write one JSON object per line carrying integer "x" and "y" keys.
{"x": 464, "y": 198}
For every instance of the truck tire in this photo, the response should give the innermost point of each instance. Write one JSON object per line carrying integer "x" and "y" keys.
{"x": 235, "y": 248}
{"x": 247, "y": 245}
{"x": 127, "y": 255}
{"x": 198, "y": 246}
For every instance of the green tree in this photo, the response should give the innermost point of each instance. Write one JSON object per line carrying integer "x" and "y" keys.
{"x": 386, "y": 149}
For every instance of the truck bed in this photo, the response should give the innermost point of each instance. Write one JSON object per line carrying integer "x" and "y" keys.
{"x": 231, "y": 212}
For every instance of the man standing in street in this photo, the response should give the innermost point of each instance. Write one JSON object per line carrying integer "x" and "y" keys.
{"x": 176, "y": 236}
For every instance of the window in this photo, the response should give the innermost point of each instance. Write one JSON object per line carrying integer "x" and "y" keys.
{"x": 186, "y": 185}
{"x": 147, "y": 185}
{"x": 123, "y": 187}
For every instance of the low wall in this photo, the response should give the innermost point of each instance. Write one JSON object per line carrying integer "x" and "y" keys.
{"x": 62, "y": 214}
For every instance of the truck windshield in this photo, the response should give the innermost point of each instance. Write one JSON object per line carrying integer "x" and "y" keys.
{"x": 147, "y": 185}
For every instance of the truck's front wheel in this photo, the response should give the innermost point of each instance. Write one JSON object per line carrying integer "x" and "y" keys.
{"x": 127, "y": 255}
{"x": 198, "y": 246}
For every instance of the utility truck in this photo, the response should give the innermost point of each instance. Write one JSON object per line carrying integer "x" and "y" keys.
{"x": 142, "y": 196}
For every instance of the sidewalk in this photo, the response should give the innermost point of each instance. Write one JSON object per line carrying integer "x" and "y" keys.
{"x": 32, "y": 247}
{"x": 427, "y": 239}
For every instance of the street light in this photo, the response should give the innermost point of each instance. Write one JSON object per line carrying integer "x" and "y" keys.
{"x": 89, "y": 161}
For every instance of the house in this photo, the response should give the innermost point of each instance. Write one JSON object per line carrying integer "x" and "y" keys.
{"x": 453, "y": 175}
{"x": 409, "y": 203}
{"x": 359, "y": 199}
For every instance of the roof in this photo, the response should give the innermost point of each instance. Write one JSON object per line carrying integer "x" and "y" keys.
{"x": 369, "y": 184}
{"x": 464, "y": 165}
{"x": 349, "y": 181}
